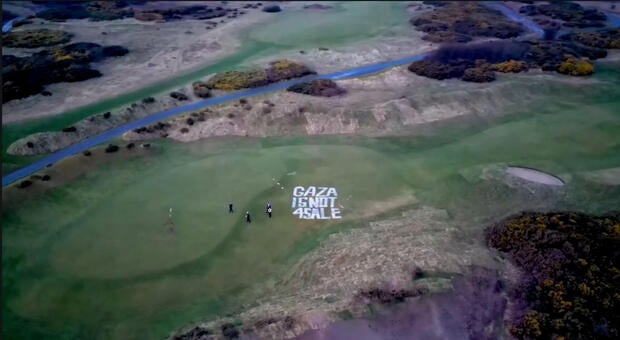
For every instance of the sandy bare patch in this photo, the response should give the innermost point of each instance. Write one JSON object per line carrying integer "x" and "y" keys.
{"x": 604, "y": 176}
{"x": 326, "y": 124}
{"x": 375, "y": 208}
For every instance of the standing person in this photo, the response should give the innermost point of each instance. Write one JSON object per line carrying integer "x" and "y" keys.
{"x": 268, "y": 209}
{"x": 170, "y": 223}
{"x": 247, "y": 217}
{"x": 230, "y": 208}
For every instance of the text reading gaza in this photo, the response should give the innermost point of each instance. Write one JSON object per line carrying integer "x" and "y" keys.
{"x": 315, "y": 203}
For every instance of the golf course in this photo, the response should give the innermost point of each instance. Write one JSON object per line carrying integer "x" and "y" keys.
{"x": 97, "y": 259}
{"x": 139, "y": 243}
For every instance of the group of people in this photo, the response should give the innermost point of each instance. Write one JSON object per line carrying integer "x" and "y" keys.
{"x": 248, "y": 217}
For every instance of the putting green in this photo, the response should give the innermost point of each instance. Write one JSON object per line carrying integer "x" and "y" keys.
{"x": 125, "y": 234}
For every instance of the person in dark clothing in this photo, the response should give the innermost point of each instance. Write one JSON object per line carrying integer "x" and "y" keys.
{"x": 230, "y": 208}
{"x": 247, "y": 217}
{"x": 268, "y": 209}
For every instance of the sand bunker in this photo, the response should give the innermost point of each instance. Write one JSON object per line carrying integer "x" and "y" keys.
{"x": 534, "y": 175}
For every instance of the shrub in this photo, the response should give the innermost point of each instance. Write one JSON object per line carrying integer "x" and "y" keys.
{"x": 236, "y": 80}
{"x": 24, "y": 184}
{"x": 511, "y": 66}
{"x": 576, "y": 67}
{"x": 178, "y": 96}
{"x": 230, "y": 331}
{"x": 35, "y": 38}
{"x": 201, "y": 89}
{"x": 569, "y": 265}
{"x": 111, "y": 148}
{"x": 478, "y": 75}
{"x": 272, "y": 9}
